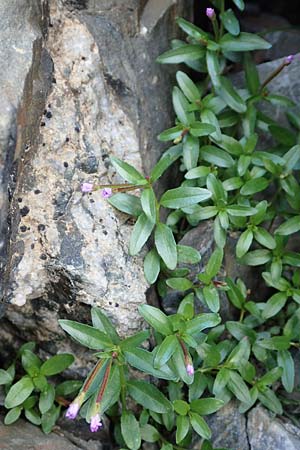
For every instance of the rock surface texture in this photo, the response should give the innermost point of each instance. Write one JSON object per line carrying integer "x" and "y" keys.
{"x": 89, "y": 88}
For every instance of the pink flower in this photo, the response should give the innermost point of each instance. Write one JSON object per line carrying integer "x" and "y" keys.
{"x": 72, "y": 411}
{"x": 106, "y": 193}
{"x": 86, "y": 187}
{"x": 289, "y": 59}
{"x": 210, "y": 12}
{"x": 95, "y": 423}
{"x": 190, "y": 369}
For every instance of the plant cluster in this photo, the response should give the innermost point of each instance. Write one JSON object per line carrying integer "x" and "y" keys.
{"x": 243, "y": 184}
{"x": 31, "y": 392}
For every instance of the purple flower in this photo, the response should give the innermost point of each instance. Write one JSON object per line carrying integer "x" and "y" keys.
{"x": 87, "y": 187}
{"x": 289, "y": 59}
{"x": 72, "y": 411}
{"x": 190, "y": 369}
{"x": 210, "y": 12}
{"x": 95, "y": 423}
{"x": 106, "y": 193}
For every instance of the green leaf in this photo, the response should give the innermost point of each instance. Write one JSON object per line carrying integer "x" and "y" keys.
{"x": 213, "y": 68}
{"x": 149, "y": 433}
{"x": 12, "y": 415}
{"x": 240, "y": 4}
{"x": 200, "y": 426}
{"x": 292, "y": 157}
{"x": 230, "y": 96}
{"x": 199, "y": 129}
{"x": 256, "y": 257}
{"x": 182, "y": 428}
{"x": 86, "y": 335}
{"x": 162, "y": 165}
{"x": 181, "y": 105}
{"x": 148, "y": 396}
{"x": 208, "y": 116}
{"x": 211, "y": 297}
{"x": 288, "y": 227}
{"x": 245, "y": 42}
{"x": 269, "y": 399}
{"x": 240, "y": 211}
{"x": 187, "y": 86}
{"x": 129, "y": 204}
{"x": 180, "y": 284}
{"x": 274, "y": 305}
{"x": 275, "y": 343}
{"x": 102, "y": 323}
{"x": 230, "y": 22}
{"x": 49, "y": 419}
{"x": 182, "y": 54}
{"x": 240, "y": 330}
{"x": 67, "y": 388}
{"x": 221, "y": 381}
{"x": 202, "y": 321}
{"x": 191, "y": 29}
{"x": 184, "y": 196}
{"x": 168, "y": 135}
{"x": 283, "y": 135}
{"x": 143, "y": 360}
{"x": 244, "y": 243}
{"x": 46, "y": 399}
{"x": 5, "y": 377}
{"x": 148, "y": 201}
{"x": 127, "y": 172}
{"x": 165, "y": 244}
{"x": 188, "y": 255}
{"x": 255, "y": 185}
{"x": 206, "y": 405}
{"x": 238, "y": 387}
{"x": 264, "y": 238}
{"x": 214, "y": 263}
{"x": 216, "y": 188}
{"x": 33, "y": 416}
{"x": 181, "y": 407}
{"x": 190, "y": 152}
{"x": 151, "y": 266}
{"x": 285, "y": 360}
{"x": 165, "y": 350}
{"x": 216, "y": 156}
{"x": 130, "y": 430}
{"x": 156, "y": 318}
{"x": 113, "y": 388}
{"x": 135, "y": 340}
{"x": 140, "y": 233}
{"x": 57, "y": 364}
{"x": 19, "y": 392}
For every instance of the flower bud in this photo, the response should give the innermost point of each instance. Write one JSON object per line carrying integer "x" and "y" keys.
{"x": 210, "y": 12}
{"x": 86, "y": 187}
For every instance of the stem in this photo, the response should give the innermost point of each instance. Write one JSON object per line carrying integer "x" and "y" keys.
{"x": 242, "y": 315}
{"x": 123, "y": 386}
{"x": 274, "y": 74}
{"x": 104, "y": 382}
{"x": 222, "y": 12}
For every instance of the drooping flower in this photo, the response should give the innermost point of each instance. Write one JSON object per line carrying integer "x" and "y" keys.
{"x": 106, "y": 193}
{"x": 87, "y": 187}
{"x": 289, "y": 59}
{"x": 190, "y": 369}
{"x": 210, "y": 12}
{"x": 95, "y": 423}
{"x": 74, "y": 407}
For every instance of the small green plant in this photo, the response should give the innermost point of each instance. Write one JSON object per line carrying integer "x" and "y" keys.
{"x": 32, "y": 393}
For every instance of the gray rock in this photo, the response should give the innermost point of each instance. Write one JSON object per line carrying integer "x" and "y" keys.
{"x": 24, "y": 436}
{"x": 269, "y": 433}
{"x": 228, "y": 428}
{"x": 67, "y": 250}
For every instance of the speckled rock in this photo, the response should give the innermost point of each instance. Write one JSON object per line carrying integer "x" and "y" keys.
{"x": 67, "y": 250}
{"x": 228, "y": 428}
{"x": 269, "y": 433}
{"x": 24, "y": 436}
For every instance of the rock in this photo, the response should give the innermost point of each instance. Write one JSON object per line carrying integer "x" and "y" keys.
{"x": 269, "y": 433}
{"x": 24, "y": 436}
{"x": 22, "y": 28}
{"x": 228, "y": 428}
{"x": 68, "y": 251}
